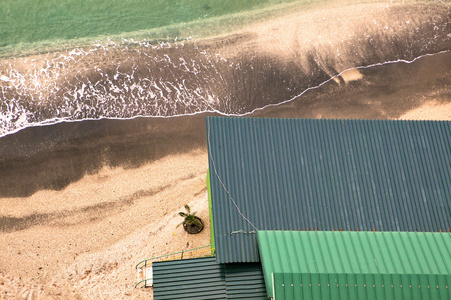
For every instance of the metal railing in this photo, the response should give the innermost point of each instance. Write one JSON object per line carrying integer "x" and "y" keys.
{"x": 184, "y": 254}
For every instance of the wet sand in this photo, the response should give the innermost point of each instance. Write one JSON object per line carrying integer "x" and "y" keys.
{"x": 51, "y": 157}
{"x": 82, "y": 202}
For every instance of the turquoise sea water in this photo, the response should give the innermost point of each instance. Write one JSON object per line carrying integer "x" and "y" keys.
{"x": 31, "y": 25}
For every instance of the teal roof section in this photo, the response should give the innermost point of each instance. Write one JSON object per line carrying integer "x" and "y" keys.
{"x": 332, "y": 263}
{"x": 305, "y": 174}
{"x": 203, "y": 278}
{"x": 188, "y": 279}
{"x": 245, "y": 281}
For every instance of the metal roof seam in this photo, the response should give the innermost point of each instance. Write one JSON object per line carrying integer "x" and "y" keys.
{"x": 372, "y": 193}
{"x": 334, "y": 193}
{"x": 339, "y": 254}
{"x": 430, "y": 250}
{"x": 320, "y": 248}
{"x": 415, "y": 251}
{"x": 360, "y": 177}
{"x": 345, "y": 216}
{"x": 422, "y": 133}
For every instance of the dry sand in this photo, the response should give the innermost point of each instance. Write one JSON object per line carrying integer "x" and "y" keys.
{"x": 100, "y": 227}
{"x": 431, "y": 110}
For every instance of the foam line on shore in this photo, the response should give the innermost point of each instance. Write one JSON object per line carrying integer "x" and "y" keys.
{"x": 54, "y": 121}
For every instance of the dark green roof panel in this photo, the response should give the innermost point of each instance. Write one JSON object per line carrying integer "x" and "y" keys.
{"x": 189, "y": 279}
{"x": 291, "y": 174}
{"x": 203, "y": 278}
{"x": 362, "y": 265}
{"x": 245, "y": 281}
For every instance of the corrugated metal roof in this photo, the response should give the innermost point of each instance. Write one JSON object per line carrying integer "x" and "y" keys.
{"x": 362, "y": 287}
{"x": 245, "y": 281}
{"x": 203, "y": 278}
{"x": 197, "y": 278}
{"x": 291, "y": 174}
{"x": 331, "y": 262}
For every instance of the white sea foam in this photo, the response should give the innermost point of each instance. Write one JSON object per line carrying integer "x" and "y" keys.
{"x": 150, "y": 80}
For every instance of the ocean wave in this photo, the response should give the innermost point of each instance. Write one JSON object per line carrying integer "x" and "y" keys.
{"x": 234, "y": 75}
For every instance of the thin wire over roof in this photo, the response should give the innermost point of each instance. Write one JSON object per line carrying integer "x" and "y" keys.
{"x": 291, "y": 174}
{"x": 329, "y": 263}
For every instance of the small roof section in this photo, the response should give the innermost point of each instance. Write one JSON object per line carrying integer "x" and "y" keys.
{"x": 203, "y": 278}
{"x": 188, "y": 279}
{"x": 333, "y": 263}
{"x": 291, "y": 174}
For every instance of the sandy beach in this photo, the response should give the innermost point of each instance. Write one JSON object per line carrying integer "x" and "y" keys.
{"x": 98, "y": 228}
{"x": 81, "y": 203}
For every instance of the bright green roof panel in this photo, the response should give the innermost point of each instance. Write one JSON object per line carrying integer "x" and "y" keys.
{"x": 298, "y": 263}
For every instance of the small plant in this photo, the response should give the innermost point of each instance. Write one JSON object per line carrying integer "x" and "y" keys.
{"x": 192, "y": 224}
